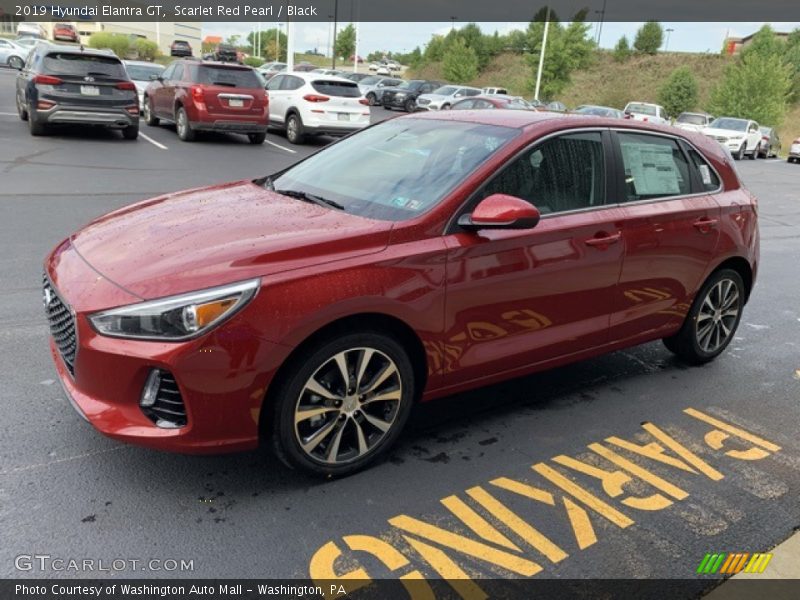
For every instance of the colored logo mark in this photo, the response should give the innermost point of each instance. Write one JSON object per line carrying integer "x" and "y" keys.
{"x": 733, "y": 562}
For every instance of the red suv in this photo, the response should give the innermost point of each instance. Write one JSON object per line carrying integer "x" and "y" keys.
{"x": 206, "y": 96}
{"x": 421, "y": 257}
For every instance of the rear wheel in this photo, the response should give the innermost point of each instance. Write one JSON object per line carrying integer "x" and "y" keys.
{"x": 35, "y": 126}
{"x": 344, "y": 405}
{"x": 712, "y": 320}
{"x": 131, "y": 133}
{"x": 257, "y": 138}
{"x": 149, "y": 117}
{"x": 294, "y": 129}
{"x": 185, "y": 131}
{"x": 21, "y": 110}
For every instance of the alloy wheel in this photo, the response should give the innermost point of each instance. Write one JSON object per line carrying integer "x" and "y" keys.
{"x": 717, "y": 316}
{"x": 348, "y": 406}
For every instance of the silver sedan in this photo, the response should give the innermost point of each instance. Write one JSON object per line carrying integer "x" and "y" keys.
{"x": 11, "y": 54}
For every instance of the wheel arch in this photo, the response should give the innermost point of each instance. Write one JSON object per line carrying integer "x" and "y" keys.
{"x": 742, "y": 267}
{"x": 367, "y": 321}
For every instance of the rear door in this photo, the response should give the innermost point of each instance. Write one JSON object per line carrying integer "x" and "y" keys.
{"x": 670, "y": 223}
{"x": 231, "y": 91}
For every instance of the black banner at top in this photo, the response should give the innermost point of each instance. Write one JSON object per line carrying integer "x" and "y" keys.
{"x": 445, "y": 11}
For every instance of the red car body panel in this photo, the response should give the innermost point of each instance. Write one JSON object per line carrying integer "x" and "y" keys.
{"x": 483, "y": 306}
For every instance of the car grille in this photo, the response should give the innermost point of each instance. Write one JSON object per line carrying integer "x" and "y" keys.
{"x": 720, "y": 139}
{"x": 168, "y": 410}
{"x": 62, "y": 324}
{"x": 423, "y": 102}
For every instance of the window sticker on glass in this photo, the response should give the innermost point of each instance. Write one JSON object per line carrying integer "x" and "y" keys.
{"x": 705, "y": 174}
{"x": 652, "y": 169}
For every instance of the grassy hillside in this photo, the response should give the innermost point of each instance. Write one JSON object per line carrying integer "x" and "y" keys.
{"x": 610, "y": 83}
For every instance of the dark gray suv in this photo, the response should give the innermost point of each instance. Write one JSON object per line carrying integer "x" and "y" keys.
{"x": 72, "y": 85}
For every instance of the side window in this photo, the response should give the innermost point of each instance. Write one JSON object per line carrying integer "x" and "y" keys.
{"x": 291, "y": 83}
{"x": 177, "y": 74}
{"x": 561, "y": 174}
{"x": 482, "y": 104}
{"x": 655, "y": 167}
{"x": 705, "y": 174}
{"x": 275, "y": 82}
{"x": 464, "y": 105}
{"x": 473, "y": 92}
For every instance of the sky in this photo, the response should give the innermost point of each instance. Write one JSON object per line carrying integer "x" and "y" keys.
{"x": 403, "y": 37}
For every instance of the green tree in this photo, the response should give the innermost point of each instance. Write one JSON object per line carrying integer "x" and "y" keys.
{"x": 345, "y": 45}
{"x": 434, "y": 50}
{"x": 269, "y": 47}
{"x": 119, "y": 43}
{"x": 459, "y": 63}
{"x": 234, "y": 40}
{"x": 568, "y": 48}
{"x": 622, "y": 51}
{"x": 649, "y": 38}
{"x": 757, "y": 87}
{"x": 679, "y": 93}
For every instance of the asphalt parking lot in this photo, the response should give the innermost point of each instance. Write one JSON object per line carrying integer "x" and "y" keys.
{"x": 496, "y": 467}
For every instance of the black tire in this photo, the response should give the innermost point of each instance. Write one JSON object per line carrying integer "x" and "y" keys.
{"x": 131, "y": 133}
{"x": 185, "y": 131}
{"x": 372, "y": 99}
{"x": 755, "y": 152}
{"x": 740, "y": 154}
{"x": 344, "y": 421}
{"x": 690, "y": 344}
{"x": 15, "y": 62}
{"x": 294, "y": 129}
{"x": 257, "y": 138}
{"x": 445, "y": 107}
{"x": 410, "y": 105}
{"x": 21, "y": 110}
{"x": 149, "y": 116}
{"x": 35, "y": 126}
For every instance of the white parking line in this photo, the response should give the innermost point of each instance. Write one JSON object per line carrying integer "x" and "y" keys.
{"x": 5, "y": 114}
{"x": 281, "y": 147}
{"x": 152, "y": 141}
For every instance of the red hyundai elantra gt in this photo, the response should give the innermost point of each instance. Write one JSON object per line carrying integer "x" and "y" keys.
{"x": 424, "y": 256}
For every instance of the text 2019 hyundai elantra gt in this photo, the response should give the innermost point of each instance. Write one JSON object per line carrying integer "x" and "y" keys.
{"x": 423, "y": 256}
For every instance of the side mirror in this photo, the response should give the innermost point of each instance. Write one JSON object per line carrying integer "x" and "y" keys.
{"x": 501, "y": 211}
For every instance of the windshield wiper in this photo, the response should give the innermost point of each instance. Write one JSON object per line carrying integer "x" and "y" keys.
{"x": 306, "y": 197}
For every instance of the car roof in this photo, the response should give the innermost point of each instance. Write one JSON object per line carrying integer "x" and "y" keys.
{"x": 142, "y": 63}
{"x": 311, "y": 76}
{"x": 68, "y": 49}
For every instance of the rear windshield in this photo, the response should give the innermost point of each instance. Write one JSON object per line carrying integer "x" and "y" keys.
{"x": 642, "y": 109}
{"x": 692, "y": 119}
{"x": 226, "y": 76}
{"x": 83, "y": 65}
{"x": 144, "y": 72}
{"x": 728, "y": 123}
{"x": 343, "y": 89}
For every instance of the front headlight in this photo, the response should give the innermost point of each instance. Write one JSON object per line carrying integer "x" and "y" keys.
{"x": 400, "y": 95}
{"x": 175, "y": 318}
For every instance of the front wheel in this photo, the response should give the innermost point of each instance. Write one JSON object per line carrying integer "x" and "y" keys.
{"x": 756, "y": 152}
{"x": 149, "y": 116}
{"x": 15, "y": 62}
{"x": 712, "y": 320}
{"x": 410, "y": 105}
{"x": 372, "y": 99}
{"x": 740, "y": 153}
{"x": 344, "y": 404}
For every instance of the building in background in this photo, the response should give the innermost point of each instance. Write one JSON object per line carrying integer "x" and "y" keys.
{"x": 734, "y": 45}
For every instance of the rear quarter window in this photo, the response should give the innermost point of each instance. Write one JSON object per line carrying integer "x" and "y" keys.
{"x": 82, "y": 65}
{"x": 705, "y": 174}
{"x": 341, "y": 89}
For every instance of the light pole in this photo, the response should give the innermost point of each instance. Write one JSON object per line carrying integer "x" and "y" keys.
{"x": 602, "y": 14}
{"x": 335, "y": 26}
{"x": 666, "y": 44}
{"x": 453, "y": 23}
{"x": 541, "y": 54}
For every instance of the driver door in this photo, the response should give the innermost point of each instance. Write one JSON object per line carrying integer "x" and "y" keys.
{"x": 516, "y": 298}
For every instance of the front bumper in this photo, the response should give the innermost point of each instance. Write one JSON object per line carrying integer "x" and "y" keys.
{"x": 222, "y": 377}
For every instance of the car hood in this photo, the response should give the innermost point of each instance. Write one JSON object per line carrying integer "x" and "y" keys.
{"x": 723, "y": 132}
{"x": 435, "y": 97}
{"x": 689, "y": 126}
{"x": 205, "y": 237}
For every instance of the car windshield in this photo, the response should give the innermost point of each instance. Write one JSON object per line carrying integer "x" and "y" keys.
{"x": 765, "y": 130}
{"x": 691, "y": 119}
{"x": 405, "y": 166}
{"x": 445, "y": 90}
{"x": 728, "y": 123}
{"x": 642, "y": 109}
{"x": 410, "y": 85}
{"x": 226, "y": 76}
{"x": 370, "y": 80}
{"x": 144, "y": 72}
{"x": 83, "y": 65}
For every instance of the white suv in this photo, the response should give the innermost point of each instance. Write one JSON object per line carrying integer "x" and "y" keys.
{"x": 315, "y": 104}
{"x": 741, "y": 136}
{"x": 443, "y": 98}
{"x": 646, "y": 112}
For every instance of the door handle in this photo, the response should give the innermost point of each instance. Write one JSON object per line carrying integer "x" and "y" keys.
{"x": 705, "y": 224}
{"x": 605, "y": 240}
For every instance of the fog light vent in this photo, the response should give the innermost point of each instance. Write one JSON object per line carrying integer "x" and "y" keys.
{"x": 161, "y": 400}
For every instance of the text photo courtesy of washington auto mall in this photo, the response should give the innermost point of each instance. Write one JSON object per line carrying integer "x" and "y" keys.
{"x": 431, "y": 299}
